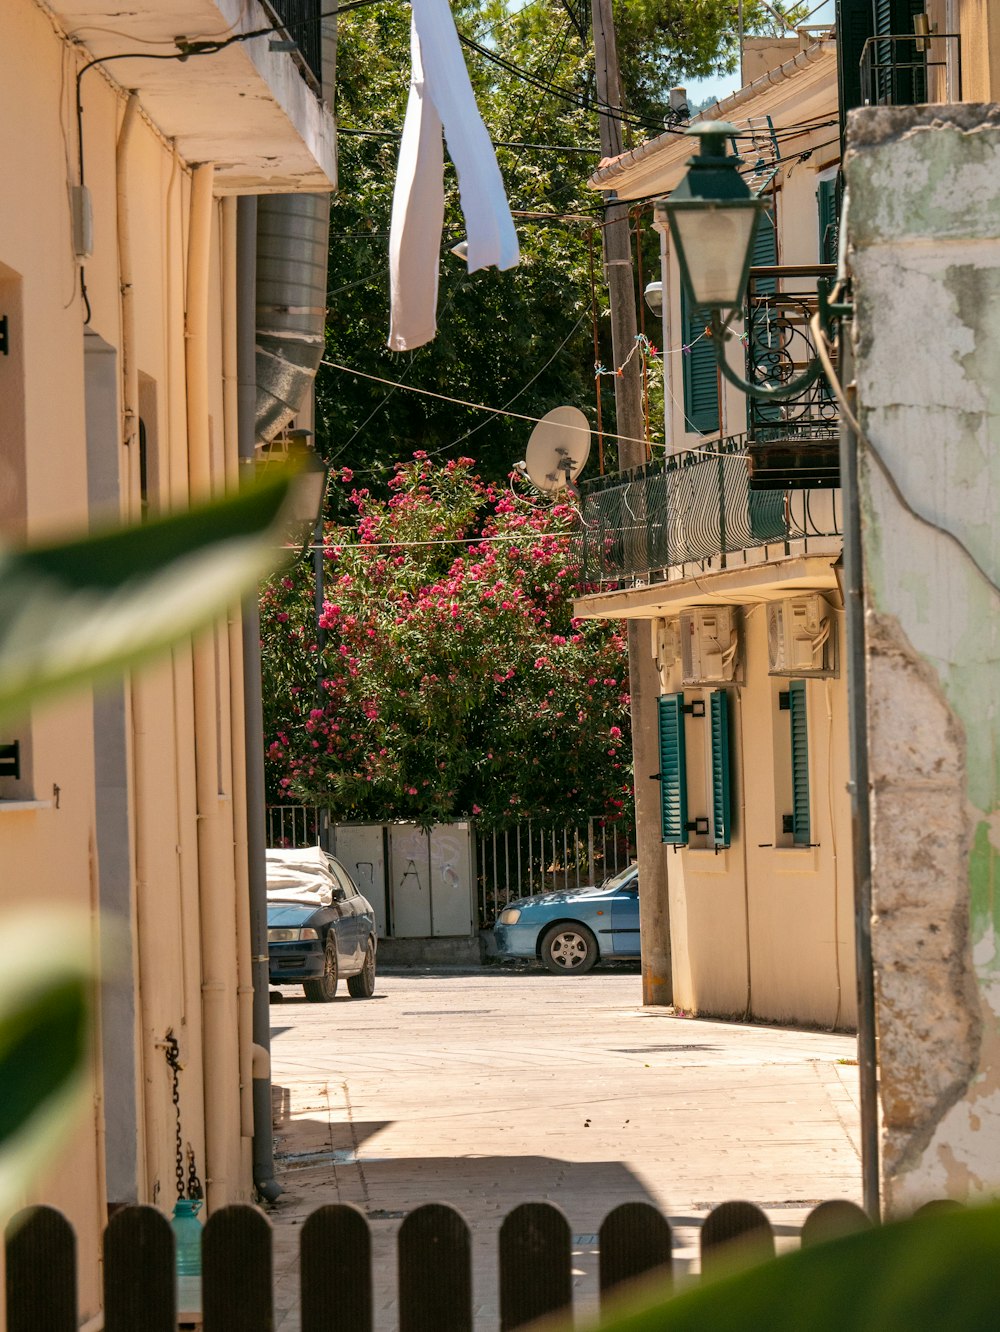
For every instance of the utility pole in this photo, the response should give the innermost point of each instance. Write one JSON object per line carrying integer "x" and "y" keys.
{"x": 654, "y": 909}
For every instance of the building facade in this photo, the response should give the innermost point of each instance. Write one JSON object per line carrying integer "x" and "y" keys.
{"x": 736, "y": 580}
{"x": 119, "y": 382}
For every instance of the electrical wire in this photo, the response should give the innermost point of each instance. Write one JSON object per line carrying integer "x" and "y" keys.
{"x": 459, "y": 402}
{"x": 836, "y": 387}
{"x": 523, "y": 389}
{"x": 497, "y": 143}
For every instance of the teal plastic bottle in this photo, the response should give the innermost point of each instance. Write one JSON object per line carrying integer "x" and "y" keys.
{"x": 187, "y": 1254}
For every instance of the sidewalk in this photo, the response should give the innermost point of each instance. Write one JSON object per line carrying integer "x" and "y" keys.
{"x": 496, "y": 1088}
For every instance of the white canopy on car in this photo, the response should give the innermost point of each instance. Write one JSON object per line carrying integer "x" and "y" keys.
{"x": 301, "y": 877}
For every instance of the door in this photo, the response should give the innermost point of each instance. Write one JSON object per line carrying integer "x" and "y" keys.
{"x": 625, "y": 922}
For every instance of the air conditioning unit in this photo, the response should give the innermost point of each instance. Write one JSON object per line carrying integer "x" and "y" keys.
{"x": 801, "y": 636}
{"x": 710, "y": 644}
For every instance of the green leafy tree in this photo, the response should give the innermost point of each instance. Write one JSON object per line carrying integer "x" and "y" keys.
{"x": 454, "y": 681}
{"x": 522, "y": 339}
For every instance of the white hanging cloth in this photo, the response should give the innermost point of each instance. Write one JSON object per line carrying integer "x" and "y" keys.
{"x": 440, "y": 95}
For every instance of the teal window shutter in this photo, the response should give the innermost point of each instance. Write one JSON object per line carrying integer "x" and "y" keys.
{"x": 902, "y": 76}
{"x": 800, "y": 763}
{"x": 855, "y": 24}
{"x": 721, "y": 793}
{"x": 826, "y": 206}
{"x": 673, "y": 771}
{"x": 765, "y": 250}
{"x": 701, "y": 384}
{"x": 767, "y": 340}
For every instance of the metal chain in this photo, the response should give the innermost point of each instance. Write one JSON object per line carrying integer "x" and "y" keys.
{"x": 194, "y": 1183}
{"x": 173, "y": 1059}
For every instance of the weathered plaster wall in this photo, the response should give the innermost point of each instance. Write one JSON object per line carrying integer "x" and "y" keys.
{"x": 924, "y": 189}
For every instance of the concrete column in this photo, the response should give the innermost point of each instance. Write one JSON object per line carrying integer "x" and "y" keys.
{"x": 924, "y": 191}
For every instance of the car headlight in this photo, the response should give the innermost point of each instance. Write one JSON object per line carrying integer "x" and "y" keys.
{"x": 286, "y": 935}
{"x": 510, "y": 916}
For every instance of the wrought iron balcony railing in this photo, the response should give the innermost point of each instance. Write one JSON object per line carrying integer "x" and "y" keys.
{"x": 906, "y": 69}
{"x": 301, "y": 20}
{"x": 791, "y": 443}
{"x": 695, "y": 507}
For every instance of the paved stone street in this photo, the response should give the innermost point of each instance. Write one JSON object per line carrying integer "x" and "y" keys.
{"x": 489, "y": 1089}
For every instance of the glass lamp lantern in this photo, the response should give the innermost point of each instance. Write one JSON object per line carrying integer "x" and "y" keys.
{"x": 713, "y": 220}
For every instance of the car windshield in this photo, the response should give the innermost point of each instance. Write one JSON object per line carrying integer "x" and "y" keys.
{"x": 622, "y": 879}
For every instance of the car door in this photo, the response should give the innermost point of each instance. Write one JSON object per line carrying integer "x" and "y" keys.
{"x": 351, "y": 925}
{"x": 625, "y": 919}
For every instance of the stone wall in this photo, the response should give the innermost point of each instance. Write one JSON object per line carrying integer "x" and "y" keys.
{"x": 924, "y": 253}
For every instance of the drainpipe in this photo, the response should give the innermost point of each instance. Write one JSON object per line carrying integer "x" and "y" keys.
{"x": 146, "y": 941}
{"x": 217, "y": 907}
{"x": 230, "y": 389}
{"x": 253, "y": 718}
{"x": 857, "y": 694}
{"x": 293, "y": 233}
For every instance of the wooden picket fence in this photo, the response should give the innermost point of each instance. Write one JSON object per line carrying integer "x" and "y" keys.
{"x": 434, "y": 1265}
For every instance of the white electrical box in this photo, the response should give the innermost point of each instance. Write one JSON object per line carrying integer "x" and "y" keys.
{"x": 666, "y": 647}
{"x": 801, "y": 636}
{"x": 710, "y": 644}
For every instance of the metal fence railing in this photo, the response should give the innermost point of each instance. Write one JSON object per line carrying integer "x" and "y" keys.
{"x": 528, "y": 858}
{"x": 534, "y": 857}
{"x": 694, "y": 507}
{"x": 303, "y": 21}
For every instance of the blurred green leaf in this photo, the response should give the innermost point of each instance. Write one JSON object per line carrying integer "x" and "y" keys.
{"x": 46, "y": 999}
{"x": 82, "y": 610}
{"x": 931, "y": 1272}
{"x": 41, "y": 1044}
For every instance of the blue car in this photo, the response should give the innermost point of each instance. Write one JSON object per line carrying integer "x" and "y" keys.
{"x": 319, "y": 927}
{"x": 569, "y": 931}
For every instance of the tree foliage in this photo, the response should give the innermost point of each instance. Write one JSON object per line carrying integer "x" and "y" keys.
{"x": 523, "y": 338}
{"x": 453, "y": 681}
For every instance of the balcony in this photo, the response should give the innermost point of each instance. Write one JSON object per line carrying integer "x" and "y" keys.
{"x": 773, "y": 490}
{"x": 792, "y": 443}
{"x": 698, "y": 509}
{"x": 910, "y": 69}
{"x": 301, "y": 21}
{"x": 251, "y": 107}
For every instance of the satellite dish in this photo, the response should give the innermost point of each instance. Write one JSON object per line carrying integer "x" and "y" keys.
{"x": 558, "y": 449}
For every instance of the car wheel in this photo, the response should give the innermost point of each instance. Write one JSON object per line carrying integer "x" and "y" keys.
{"x": 323, "y": 989}
{"x": 569, "y": 948}
{"x": 362, "y": 986}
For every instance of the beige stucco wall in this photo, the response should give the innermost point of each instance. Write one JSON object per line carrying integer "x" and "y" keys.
{"x": 760, "y": 929}
{"x": 49, "y": 849}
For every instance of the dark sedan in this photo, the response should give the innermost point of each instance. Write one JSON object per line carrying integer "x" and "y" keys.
{"x": 319, "y": 927}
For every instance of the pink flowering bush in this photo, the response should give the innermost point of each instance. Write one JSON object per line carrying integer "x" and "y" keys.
{"x": 454, "y": 681}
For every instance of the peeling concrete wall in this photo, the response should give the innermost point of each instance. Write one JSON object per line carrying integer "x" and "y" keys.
{"x": 924, "y": 236}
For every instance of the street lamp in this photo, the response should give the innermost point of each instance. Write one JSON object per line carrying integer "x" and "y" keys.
{"x": 713, "y": 219}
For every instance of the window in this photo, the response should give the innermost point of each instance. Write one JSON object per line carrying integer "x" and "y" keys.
{"x": 701, "y": 375}
{"x": 791, "y": 765}
{"x": 827, "y": 217}
{"x": 720, "y": 772}
{"x": 673, "y": 771}
{"x": 799, "y": 728}
{"x": 713, "y": 776}
{"x": 15, "y": 738}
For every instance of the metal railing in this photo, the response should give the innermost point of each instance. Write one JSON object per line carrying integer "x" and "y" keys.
{"x": 907, "y": 69}
{"x": 527, "y": 858}
{"x": 697, "y": 506}
{"x": 302, "y": 21}
{"x": 532, "y": 858}
{"x": 781, "y": 300}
